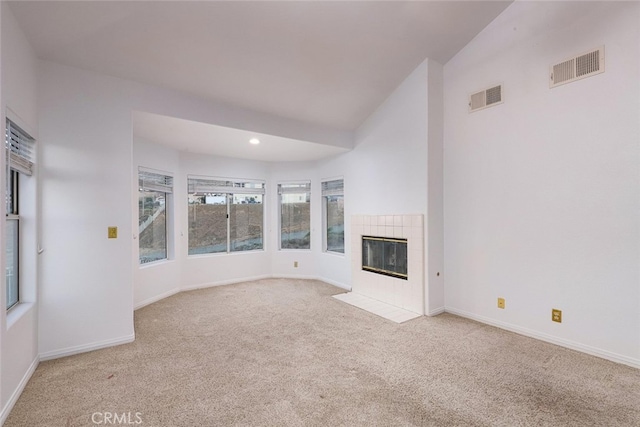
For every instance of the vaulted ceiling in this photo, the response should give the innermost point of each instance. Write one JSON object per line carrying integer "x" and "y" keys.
{"x": 324, "y": 63}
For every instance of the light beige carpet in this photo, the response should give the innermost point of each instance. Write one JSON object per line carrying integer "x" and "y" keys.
{"x": 284, "y": 353}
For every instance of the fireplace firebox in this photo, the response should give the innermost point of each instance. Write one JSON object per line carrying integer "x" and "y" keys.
{"x": 385, "y": 255}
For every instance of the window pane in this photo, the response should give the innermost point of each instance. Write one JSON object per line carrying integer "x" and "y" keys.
{"x": 12, "y": 193}
{"x": 295, "y": 217}
{"x": 245, "y": 216}
{"x": 152, "y": 229}
{"x": 335, "y": 223}
{"x": 12, "y": 262}
{"x": 207, "y": 223}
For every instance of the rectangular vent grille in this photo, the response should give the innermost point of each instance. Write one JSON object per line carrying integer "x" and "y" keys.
{"x": 578, "y": 67}
{"x": 494, "y": 95}
{"x": 485, "y": 98}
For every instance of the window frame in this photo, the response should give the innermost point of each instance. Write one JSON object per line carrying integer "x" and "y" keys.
{"x": 281, "y": 191}
{"x": 156, "y": 181}
{"x": 331, "y": 190}
{"x": 19, "y": 160}
{"x": 227, "y": 187}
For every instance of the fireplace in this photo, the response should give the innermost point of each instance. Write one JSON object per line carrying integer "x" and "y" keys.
{"x": 402, "y": 283}
{"x": 383, "y": 255}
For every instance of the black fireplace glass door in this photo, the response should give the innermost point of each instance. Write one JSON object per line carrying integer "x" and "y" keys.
{"x": 385, "y": 256}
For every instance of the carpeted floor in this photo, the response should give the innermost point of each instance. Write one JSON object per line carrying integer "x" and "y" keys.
{"x": 284, "y": 353}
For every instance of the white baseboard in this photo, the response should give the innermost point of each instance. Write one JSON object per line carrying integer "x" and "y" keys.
{"x": 295, "y": 276}
{"x": 436, "y": 311}
{"x": 334, "y": 283}
{"x": 18, "y": 391}
{"x": 69, "y": 351}
{"x": 156, "y": 298}
{"x": 604, "y": 354}
{"x": 224, "y": 282}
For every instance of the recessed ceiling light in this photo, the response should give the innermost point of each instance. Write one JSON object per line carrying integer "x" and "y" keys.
{"x": 254, "y": 141}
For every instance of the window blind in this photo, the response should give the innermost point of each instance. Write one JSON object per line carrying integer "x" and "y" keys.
{"x": 20, "y": 149}
{"x": 223, "y": 186}
{"x": 153, "y": 181}
{"x": 293, "y": 188}
{"x": 333, "y": 188}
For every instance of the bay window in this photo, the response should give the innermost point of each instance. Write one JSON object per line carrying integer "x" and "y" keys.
{"x": 225, "y": 215}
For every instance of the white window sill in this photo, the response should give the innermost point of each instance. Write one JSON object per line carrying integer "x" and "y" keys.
{"x": 16, "y": 312}
{"x": 338, "y": 254}
{"x": 219, "y": 254}
{"x": 155, "y": 263}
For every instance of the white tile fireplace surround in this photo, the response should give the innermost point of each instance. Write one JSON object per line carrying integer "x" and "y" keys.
{"x": 407, "y": 294}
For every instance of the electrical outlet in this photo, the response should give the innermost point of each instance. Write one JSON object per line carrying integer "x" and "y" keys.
{"x": 295, "y": 264}
{"x": 112, "y": 232}
{"x": 501, "y": 303}
{"x": 556, "y": 315}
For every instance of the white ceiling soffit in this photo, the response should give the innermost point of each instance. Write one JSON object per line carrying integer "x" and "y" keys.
{"x": 326, "y": 63}
{"x": 203, "y": 138}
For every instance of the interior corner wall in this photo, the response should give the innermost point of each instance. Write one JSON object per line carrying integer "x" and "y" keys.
{"x": 386, "y": 172}
{"x": 542, "y": 192}
{"x": 18, "y": 328}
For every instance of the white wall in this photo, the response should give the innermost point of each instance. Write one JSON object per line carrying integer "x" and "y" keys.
{"x": 19, "y": 73}
{"x": 85, "y": 165}
{"x": 542, "y": 192}
{"x": 18, "y": 336}
{"x": 434, "y": 221}
{"x": 18, "y": 328}
{"x": 389, "y": 162}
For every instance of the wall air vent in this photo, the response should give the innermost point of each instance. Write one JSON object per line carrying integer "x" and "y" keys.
{"x": 576, "y": 68}
{"x": 485, "y": 98}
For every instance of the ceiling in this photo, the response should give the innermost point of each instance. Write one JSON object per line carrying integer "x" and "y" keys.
{"x": 222, "y": 141}
{"x": 328, "y": 64}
